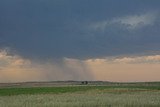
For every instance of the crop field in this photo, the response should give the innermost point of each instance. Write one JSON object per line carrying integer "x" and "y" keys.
{"x": 90, "y": 95}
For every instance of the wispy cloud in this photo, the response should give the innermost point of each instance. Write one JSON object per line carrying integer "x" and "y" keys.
{"x": 152, "y": 59}
{"x": 129, "y": 21}
{"x": 140, "y": 59}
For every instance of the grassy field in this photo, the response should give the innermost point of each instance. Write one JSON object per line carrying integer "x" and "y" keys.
{"x": 113, "y": 95}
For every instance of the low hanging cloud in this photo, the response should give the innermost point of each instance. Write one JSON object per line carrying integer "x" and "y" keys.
{"x": 124, "y": 69}
{"x": 130, "y": 22}
{"x": 138, "y": 60}
{"x": 15, "y": 68}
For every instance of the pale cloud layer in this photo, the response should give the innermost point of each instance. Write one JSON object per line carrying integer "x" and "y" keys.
{"x": 141, "y": 68}
{"x": 14, "y": 68}
{"x": 138, "y": 60}
{"x": 123, "y": 69}
{"x": 130, "y": 22}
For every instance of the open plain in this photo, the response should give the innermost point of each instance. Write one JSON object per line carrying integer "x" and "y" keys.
{"x": 78, "y": 94}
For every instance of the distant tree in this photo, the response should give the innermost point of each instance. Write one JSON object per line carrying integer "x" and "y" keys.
{"x": 84, "y": 82}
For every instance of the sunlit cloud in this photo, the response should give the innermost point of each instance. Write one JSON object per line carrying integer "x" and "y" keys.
{"x": 141, "y": 59}
{"x": 15, "y": 68}
{"x": 140, "y": 68}
{"x": 124, "y": 69}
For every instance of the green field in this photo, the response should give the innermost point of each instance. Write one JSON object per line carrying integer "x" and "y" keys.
{"x": 113, "y": 95}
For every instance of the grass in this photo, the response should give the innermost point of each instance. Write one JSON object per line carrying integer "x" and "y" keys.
{"x": 82, "y": 96}
{"x": 66, "y": 89}
{"x": 94, "y": 98}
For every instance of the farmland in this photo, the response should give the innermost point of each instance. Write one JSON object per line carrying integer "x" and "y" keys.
{"x": 75, "y": 94}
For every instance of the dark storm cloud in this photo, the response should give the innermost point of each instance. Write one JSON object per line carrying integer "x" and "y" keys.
{"x": 61, "y": 28}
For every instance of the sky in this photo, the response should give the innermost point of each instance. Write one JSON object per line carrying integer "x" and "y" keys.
{"x": 106, "y": 40}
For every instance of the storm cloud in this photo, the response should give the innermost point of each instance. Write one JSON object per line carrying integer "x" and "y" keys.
{"x": 45, "y": 40}
{"x": 57, "y": 29}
